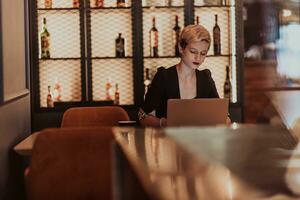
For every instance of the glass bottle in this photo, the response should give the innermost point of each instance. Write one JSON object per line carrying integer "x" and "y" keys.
{"x": 176, "y": 33}
{"x": 57, "y": 91}
{"x": 108, "y": 90}
{"x": 50, "y": 103}
{"x": 45, "y": 41}
{"x": 48, "y": 3}
{"x": 117, "y": 95}
{"x": 168, "y": 2}
{"x": 76, "y": 3}
{"x": 153, "y": 34}
{"x": 99, "y": 3}
{"x": 223, "y": 2}
{"x": 197, "y": 20}
{"x": 227, "y": 85}
{"x": 217, "y": 37}
{"x": 147, "y": 80}
{"x": 120, "y": 3}
{"x": 119, "y": 44}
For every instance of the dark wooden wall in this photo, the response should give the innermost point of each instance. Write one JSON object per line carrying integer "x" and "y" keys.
{"x": 260, "y": 77}
{"x": 262, "y": 24}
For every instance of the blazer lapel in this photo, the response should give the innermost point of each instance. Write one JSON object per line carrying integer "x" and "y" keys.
{"x": 199, "y": 81}
{"x": 173, "y": 82}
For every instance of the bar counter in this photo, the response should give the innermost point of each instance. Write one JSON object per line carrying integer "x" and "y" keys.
{"x": 237, "y": 162}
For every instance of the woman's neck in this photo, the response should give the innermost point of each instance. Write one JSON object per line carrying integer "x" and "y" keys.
{"x": 185, "y": 71}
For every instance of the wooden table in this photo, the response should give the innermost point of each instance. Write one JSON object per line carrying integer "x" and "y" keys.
{"x": 239, "y": 162}
{"x": 24, "y": 148}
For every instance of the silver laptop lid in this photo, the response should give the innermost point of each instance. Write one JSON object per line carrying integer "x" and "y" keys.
{"x": 197, "y": 112}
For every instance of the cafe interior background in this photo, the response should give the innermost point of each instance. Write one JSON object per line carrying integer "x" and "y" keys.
{"x": 270, "y": 62}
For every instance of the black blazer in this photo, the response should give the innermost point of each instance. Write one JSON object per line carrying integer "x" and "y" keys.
{"x": 165, "y": 85}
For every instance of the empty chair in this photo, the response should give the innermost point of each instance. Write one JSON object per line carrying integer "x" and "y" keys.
{"x": 71, "y": 163}
{"x": 94, "y": 116}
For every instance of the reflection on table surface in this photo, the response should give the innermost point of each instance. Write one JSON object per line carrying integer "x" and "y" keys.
{"x": 287, "y": 105}
{"x": 237, "y": 162}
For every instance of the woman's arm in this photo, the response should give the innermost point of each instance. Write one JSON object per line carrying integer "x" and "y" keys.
{"x": 153, "y": 121}
{"x": 150, "y": 120}
{"x": 153, "y": 99}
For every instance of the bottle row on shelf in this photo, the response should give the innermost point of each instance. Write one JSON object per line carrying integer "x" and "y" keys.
{"x": 145, "y": 3}
{"x": 168, "y": 3}
{"x": 55, "y": 95}
{"x": 153, "y": 3}
{"x": 46, "y": 50}
{"x": 212, "y": 2}
{"x": 109, "y": 92}
{"x": 154, "y": 37}
{"x": 165, "y": 3}
{"x": 153, "y": 40}
{"x": 95, "y": 3}
{"x": 73, "y": 3}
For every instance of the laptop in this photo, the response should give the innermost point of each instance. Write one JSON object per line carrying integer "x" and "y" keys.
{"x": 197, "y": 112}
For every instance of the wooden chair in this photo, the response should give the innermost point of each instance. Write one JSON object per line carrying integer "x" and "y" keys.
{"x": 94, "y": 116}
{"x": 71, "y": 163}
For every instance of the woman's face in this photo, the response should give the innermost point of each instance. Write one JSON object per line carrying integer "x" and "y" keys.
{"x": 194, "y": 53}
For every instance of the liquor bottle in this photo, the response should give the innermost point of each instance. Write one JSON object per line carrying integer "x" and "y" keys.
{"x": 176, "y": 33}
{"x": 120, "y": 43}
{"x": 99, "y": 3}
{"x": 117, "y": 95}
{"x": 45, "y": 41}
{"x": 48, "y": 3}
{"x": 197, "y": 20}
{"x": 57, "y": 91}
{"x": 223, "y": 2}
{"x": 168, "y": 2}
{"x": 217, "y": 37}
{"x": 76, "y": 3}
{"x": 50, "y": 103}
{"x": 108, "y": 90}
{"x": 153, "y": 34}
{"x": 147, "y": 80}
{"x": 120, "y": 3}
{"x": 227, "y": 85}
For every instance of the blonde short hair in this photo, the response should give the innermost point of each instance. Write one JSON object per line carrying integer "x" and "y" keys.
{"x": 194, "y": 33}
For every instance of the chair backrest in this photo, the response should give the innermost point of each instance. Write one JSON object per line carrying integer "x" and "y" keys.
{"x": 71, "y": 163}
{"x": 94, "y": 116}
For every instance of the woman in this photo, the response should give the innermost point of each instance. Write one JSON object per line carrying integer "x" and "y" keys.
{"x": 182, "y": 81}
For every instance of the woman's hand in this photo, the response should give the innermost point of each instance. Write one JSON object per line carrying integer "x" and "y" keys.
{"x": 163, "y": 122}
{"x": 228, "y": 121}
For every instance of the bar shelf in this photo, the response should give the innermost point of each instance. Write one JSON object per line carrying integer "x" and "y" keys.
{"x": 110, "y": 8}
{"x": 47, "y": 59}
{"x": 64, "y": 105}
{"x": 163, "y": 7}
{"x": 57, "y": 9}
{"x": 163, "y": 57}
{"x": 214, "y": 6}
{"x": 108, "y": 58}
{"x": 83, "y": 46}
